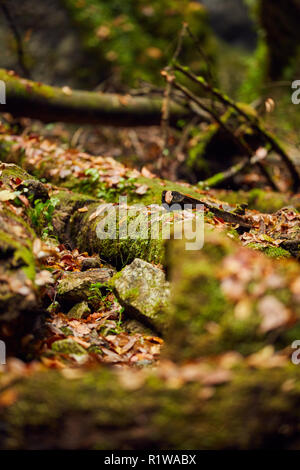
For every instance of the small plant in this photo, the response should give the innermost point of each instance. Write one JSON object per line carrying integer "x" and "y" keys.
{"x": 44, "y": 211}
{"x": 92, "y": 185}
{"x": 110, "y": 194}
{"x": 96, "y": 293}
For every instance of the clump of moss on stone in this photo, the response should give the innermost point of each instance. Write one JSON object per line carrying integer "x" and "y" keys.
{"x": 271, "y": 251}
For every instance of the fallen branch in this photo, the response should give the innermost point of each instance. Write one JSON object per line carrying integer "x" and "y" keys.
{"x": 253, "y": 121}
{"x": 223, "y": 176}
{"x": 27, "y": 98}
{"x": 239, "y": 141}
{"x": 174, "y": 197}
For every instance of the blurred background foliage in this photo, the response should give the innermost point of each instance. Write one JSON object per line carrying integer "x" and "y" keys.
{"x": 252, "y": 46}
{"x": 135, "y": 39}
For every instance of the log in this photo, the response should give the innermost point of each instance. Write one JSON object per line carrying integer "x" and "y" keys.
{"x": 249, "y": 408}
{"x": 36, "y": 100}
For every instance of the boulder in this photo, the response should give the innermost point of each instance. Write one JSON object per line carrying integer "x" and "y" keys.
{"x": 144, "y": 292}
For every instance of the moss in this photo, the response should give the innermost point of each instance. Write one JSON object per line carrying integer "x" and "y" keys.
{"x": 22, "y": 251}
{"x": 11, "y": 171}
{"x": 272, "y": 251}
{"x": 67, "y": 346}
{"x": 205, "y": 318}
{"x": 106, "y": 415}
{"x": 131, "y": 294}
{"x": 258, "y": 199}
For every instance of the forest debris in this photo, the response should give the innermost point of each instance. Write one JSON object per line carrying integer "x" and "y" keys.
{"x": 249, "y": 117}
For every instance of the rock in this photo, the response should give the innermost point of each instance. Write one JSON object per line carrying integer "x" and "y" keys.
{"x": 79, "y": 310}
{"x": 76, "y": 286}
{"x": 133, "y": 326}
{"x": 144, "y": 292}
{"x": 90, "y": 263}
{"x": 68, "y": 346}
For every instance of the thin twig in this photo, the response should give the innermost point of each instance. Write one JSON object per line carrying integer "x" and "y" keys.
{"x": 226, "y": 175}
{"x": 167, "y": 96}
{"x": 252, "y": 120}
{"x": 17, "y": 36}
{"x": 201, "y": 52}
{"x": 239, "y": 142}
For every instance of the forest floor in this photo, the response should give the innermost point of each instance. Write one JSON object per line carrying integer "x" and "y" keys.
{"x": 236, "y": 314}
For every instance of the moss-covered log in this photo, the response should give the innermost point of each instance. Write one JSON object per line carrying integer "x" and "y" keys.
{"x": 39, "y": 101}
{"x": 203, "y": 407}
{"x": 238, "y": 375}
{"x": 88, "y": 174}
{"x": 259, "y": 199}
{"x": 228, "y": 297}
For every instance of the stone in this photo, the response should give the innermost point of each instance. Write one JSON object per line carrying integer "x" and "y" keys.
{"x": 68, "y": 346}
{"x": 79, "y": 310}
{"x": 76, "y": 286}
{"x": 90, "y": 263}
{"x": 144, "y": 292}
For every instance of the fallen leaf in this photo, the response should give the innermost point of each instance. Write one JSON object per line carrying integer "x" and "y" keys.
{"x": 83, "y": 209}
{"x": 7, "y": 195}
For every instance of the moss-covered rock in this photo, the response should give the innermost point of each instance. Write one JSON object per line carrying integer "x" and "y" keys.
{"x": 68, "y": 346}
{"x": 79, "y": 310}
{"x": 76, "y": 287}
{"x": 144, "y": 292}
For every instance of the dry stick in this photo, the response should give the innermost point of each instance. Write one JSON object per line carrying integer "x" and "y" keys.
{"x": 224, "y": 175}
{"x": 167, "y": 96}
{"x": 185, "y": 135}
{"x": 232, "y": 171}
{"x": 253, "y": 121}
{"x": 201, "y": 53}
{"x": 242, "y": 145}
{"x": 17, "y": 36}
